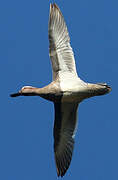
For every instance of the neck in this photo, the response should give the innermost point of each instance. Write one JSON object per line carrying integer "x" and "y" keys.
{"x": 44, "y": 92}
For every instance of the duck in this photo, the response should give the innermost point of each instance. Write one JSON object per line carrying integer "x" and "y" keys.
{"x": 66, "y": 90}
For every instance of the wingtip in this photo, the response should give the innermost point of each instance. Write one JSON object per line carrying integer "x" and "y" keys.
{"x": 58, "y": 174}
{"x": 54, "y": 5}
{"x": 60, "y": 167}
{"x": 56, "y": 162}
{"x": 50, "y": 6}
{"x": 61, "y": 173}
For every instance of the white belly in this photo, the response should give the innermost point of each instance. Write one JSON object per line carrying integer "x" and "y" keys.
{"x": 73, "y": 89}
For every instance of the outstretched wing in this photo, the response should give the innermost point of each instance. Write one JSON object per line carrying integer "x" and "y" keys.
{"x": 64, "y": 132}
{"x": 60, "y": 51}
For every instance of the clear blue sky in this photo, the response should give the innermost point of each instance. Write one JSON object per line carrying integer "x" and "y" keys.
{"x": 26, "y": 123}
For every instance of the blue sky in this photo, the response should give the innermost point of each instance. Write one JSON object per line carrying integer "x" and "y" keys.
{"x": 26, "y": 123}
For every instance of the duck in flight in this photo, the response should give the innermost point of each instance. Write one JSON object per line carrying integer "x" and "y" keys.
{"x": 66, "y": 90}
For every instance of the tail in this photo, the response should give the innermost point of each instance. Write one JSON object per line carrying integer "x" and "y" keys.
{"x": 98, "y": 89}
{"x": 103, "y": 88}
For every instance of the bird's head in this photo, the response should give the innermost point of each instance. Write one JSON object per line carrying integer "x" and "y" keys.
{"x": 25, "y": 91}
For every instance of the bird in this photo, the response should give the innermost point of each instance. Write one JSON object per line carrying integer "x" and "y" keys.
{"x": 66, "y": 90}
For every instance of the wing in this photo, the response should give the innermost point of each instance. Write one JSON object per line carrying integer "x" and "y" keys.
{"x": 64, "y": 132}
{"x": 60, "y": 51}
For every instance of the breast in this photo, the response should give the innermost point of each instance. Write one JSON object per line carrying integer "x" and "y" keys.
{"x": 71, "y": 84}
{"x": 74, "y": 89}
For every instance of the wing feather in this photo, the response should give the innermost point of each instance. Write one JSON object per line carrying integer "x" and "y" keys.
{"x": 60, "y": 51}
{"x": 64, "y": 131}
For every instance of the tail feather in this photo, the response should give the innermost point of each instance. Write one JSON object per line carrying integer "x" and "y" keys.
{"x": 98, "y": 89}
{"x": 104, "y": 88}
